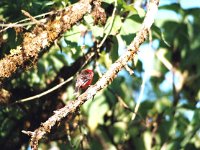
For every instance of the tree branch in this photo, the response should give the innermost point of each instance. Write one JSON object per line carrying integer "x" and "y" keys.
{"x": 41, "y": 38}
{"x": 103, "y": 82}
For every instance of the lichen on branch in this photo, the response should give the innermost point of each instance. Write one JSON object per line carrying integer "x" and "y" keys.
{"x": 103, "y": 82}
{"x": 41, "y": 37}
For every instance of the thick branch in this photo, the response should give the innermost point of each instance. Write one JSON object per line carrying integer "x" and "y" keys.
{"x": 41, "y": 38}
{"x": 103, "y": 82}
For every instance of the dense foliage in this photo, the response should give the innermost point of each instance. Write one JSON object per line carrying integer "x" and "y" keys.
{"x": 168, "y": 116}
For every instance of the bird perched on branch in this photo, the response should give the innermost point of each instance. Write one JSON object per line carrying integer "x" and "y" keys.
{"x": 84, "y": 80}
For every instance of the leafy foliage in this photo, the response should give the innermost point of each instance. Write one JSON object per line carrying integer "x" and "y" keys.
{"x": 168, "y": 116}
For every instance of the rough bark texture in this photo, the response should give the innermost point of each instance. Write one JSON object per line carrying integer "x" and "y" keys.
{"x": 41, "y": 38}
{"x": 102, "y": 83}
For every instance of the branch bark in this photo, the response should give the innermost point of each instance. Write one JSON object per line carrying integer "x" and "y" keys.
{"x": 41, "y": 38}
{"x": 103, "y": 82}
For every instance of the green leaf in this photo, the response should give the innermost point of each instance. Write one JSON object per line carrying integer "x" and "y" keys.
{"x": 97, "y": 31}
{"x": 162, "y": 104}
{"x": 159, "y": 34}
{"x": 118, "y": 130}
{"x": 147, "y": 138}
{"x": 174, "y": 7}
{"x": 132, "y": 24}
{"x": 73, "y": 35}
{"x": 116, "y": 25}
{"x": 105, "y": 60}
{"x": 114, "y": 50}
{"x": 97, "y": 107}
{"x": 56, "y": 62}
{"x": 126, "y": 7}
{"x": 89, "y": 20}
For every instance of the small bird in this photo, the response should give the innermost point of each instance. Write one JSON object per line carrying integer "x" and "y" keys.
{"x": 84, "y": 80}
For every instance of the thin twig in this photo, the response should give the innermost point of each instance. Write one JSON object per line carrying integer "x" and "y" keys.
{"x": 20, "y": 24}
{"x": 103, "y": 82}
{"x": 120, "y": 100}
{"x": 166, "y": 63}
{"x": 140, "y": 95}
{"x": 43, "y": 93}
{"x": 55, "y": 87}
{"x": 27, "y": 14}
{"x": 111, "y": 25}
{"x": 130, "y": 71}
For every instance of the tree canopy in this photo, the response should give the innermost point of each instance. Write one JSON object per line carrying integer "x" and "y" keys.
{"x": 146, "y": 88}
